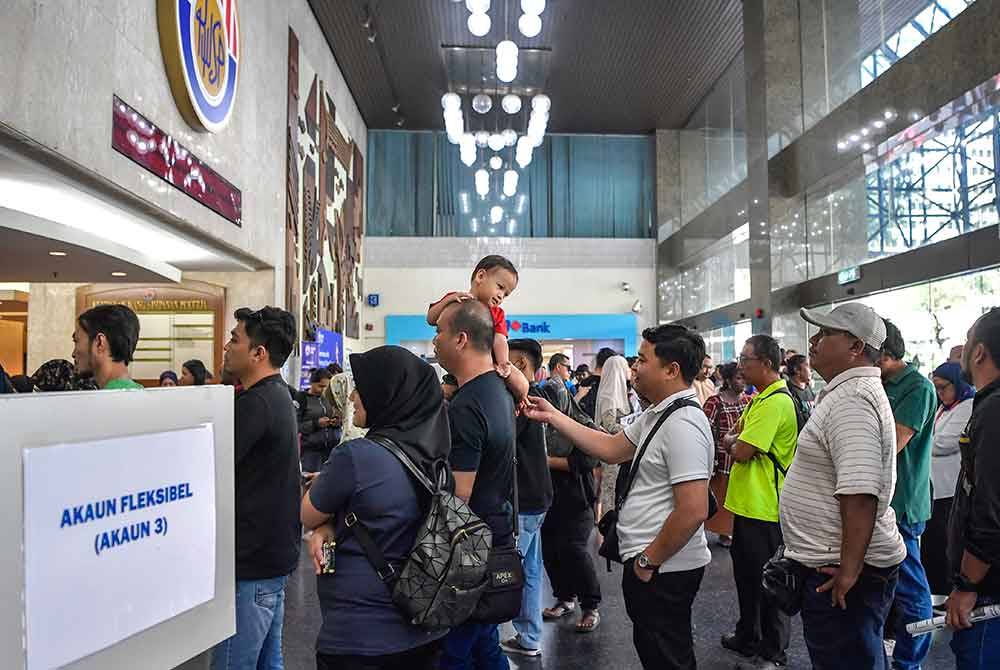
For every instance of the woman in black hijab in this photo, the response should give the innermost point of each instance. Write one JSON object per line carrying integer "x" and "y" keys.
{"x": 397, "y": 396}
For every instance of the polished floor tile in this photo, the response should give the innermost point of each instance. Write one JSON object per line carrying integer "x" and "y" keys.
{"x": 610, "y": 646}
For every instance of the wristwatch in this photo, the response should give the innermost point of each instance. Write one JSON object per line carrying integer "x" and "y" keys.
{"x": 644, "y": 562}
{"x": 963, "y": 583}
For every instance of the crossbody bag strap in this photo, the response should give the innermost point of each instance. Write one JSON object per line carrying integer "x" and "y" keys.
{"x": 634, "y": 470}
{"x": 774, "y": 459}
{"x": 383, "y": 568}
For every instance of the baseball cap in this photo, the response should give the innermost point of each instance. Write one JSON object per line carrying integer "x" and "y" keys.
{"x": 856, "y": 318}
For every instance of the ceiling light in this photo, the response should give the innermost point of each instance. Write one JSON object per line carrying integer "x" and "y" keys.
{"x": 541, "y": 102}
{"x": 496, "y": 162}
{"x": 879, "y": 123}
{"x": 533, "y": 7}
{"x": 529, "y": 25}
{"x": 496, "y": 214}
{"x": 451, "y": 101}
{"x": 506, "y": 61}
{"x": 511, "y": 103}
{"x": 510, "y": 183}
{"x": 119, "y": 274}
{"x": 477, "y": 6}
{"x": 482, "y": 138}
{"x": 509, "y": 137}
{"x": 496, "y": 142}
{"x": 482, "y": 103}
{"x": 58, "y": 254}
{"x": 479, "y": 24}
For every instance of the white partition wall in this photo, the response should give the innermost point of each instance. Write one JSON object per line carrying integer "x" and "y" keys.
{"x": 119, "y": 527}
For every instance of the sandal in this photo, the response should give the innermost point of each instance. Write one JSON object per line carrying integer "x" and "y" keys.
{"x": 589, "y": 622}
{"x": 559, "y": 610}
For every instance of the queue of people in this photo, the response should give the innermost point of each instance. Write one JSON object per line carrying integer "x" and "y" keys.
{"x": 877, "y": 500}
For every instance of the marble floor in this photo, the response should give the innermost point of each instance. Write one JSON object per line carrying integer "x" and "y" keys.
{"x": 610, "y": 646}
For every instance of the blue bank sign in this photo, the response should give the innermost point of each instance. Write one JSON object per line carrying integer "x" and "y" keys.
{"x": 401, "y": 328}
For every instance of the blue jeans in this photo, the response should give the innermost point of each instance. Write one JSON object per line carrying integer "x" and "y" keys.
{"x": 978, "y": 648}
{"x": 850, "y": 638}
{"x": 473, "y": 646}
{"x": 260, "y": 610}
{"x": 912, "y": 602}
{"x": 529, "y": 623}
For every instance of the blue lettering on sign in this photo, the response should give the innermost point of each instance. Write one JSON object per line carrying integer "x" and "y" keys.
{"x": 127, "y": 502}
{"x": 211, "y": 45}
{"x": 373, "y": 299}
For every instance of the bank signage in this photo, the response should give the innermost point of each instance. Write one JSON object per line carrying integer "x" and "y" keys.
{"x": 401, "y": 328}
{"x": 200, "y": 41}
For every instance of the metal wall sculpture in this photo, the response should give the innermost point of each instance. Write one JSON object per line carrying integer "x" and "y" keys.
{"x": 324, "y": 215}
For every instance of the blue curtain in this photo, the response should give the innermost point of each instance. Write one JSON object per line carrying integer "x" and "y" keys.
{"x": 575, "y": 186}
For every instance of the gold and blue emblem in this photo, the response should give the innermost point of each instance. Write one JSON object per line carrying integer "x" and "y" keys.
{"x": 200, "y": 40}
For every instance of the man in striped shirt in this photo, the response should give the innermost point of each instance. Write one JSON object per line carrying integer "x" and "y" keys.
{"x": 835, "y": 513}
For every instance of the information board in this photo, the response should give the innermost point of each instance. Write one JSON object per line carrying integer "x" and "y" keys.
{"x": 119, "y": 535}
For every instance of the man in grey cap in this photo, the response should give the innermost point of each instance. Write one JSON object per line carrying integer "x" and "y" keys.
{"x": 835, "y": 513}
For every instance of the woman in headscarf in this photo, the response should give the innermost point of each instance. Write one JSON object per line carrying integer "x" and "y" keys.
{"x": 956, "y": 396}
{"x": 612, "y": 404}
{"x": 338, "y": 396}
{"x": 397, "y": 397}
{"x": 56, "y": 375}
{"x": 168, "y": 378}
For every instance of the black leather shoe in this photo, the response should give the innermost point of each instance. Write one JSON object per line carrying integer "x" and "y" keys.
{"x": 758, "y": 663}
{"x": 732, "y": 642}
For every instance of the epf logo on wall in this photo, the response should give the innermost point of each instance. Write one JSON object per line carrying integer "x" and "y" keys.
{"x": 200, "y": 40}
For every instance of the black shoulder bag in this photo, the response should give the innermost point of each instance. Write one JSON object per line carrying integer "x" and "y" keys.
{"x": 608, "y": 525}
{"x": 501, "y": 601}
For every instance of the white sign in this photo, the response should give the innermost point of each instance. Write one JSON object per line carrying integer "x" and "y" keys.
{"x": 119, "y": 535}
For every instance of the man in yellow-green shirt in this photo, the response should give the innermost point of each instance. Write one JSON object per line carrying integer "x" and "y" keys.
{"x": 762, "y": 445}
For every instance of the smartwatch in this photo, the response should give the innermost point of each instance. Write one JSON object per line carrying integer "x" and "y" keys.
{"x": 644, "y": 563}
{"x": 963, "y": 583}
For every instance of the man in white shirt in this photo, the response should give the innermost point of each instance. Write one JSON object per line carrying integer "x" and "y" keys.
{"x": 660, "y": 528}
{"x": 835, "y": 514}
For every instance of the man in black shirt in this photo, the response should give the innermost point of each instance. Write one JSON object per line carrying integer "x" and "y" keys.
{"x": 588, "y": 398}
{"x": 570, "y": 520}
{"x": 481, "y": 415}
{"x": 974, "y": 527}
{"x": 534, "y": 495}
{"x": 800, "y": 383}
{"x": 267, "y": 487}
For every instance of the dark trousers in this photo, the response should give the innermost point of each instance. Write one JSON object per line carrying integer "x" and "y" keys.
{"x": 934, "y": 549}
{"x": 762, "y": 626}
{"x": 661, "y": 617}
{"x": 421, "y": 658}
{"x": 850, "y": 638}
{"x": 566, "y": 554}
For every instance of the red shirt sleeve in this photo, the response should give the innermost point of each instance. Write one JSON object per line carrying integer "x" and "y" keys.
{"x": 499, "y": 320}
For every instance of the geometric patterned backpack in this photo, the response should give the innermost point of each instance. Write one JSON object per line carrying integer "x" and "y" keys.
{"x": 442, "y": 579}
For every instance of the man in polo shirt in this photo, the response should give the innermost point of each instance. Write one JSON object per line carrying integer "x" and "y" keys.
{"x": 836, "y": 519}
{"x": 974, "y": 528}
{"x": 762, "y": 446}
{"x": 914, "y": 404}
{"x": 104, "y": 342}
{"x": 660, "y": 528}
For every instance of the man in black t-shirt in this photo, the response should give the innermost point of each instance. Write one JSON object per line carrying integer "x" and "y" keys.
{"x": 588, "y": 398}
{"x": 534, "y": 495}
{"x": 481, "y": 415}
{"x": 265, "y": 454}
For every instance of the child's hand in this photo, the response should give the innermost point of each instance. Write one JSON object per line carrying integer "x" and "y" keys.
{"x": 462, "y": 296}
{"x": 504, "y": 369}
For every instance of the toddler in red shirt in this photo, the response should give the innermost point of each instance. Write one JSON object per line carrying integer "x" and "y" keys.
{"x": 493, "y": 280}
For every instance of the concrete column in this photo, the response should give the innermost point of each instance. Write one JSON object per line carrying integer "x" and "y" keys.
{"x": 668, "y": 183}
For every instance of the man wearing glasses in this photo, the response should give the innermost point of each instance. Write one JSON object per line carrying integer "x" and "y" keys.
{"x": 561, "y": 371}
{"x": 835, "y": 510}
{"x": 762, "y": 445}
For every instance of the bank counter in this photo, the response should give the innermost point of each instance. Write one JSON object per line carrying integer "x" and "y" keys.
{"x": 119, "y": 528}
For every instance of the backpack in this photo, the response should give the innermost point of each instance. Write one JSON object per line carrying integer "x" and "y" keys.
{"x": 441, "y": 582}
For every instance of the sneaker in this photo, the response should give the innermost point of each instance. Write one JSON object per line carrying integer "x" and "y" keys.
{"x": 514, "y": 646}
{"x": 734, "y": 643}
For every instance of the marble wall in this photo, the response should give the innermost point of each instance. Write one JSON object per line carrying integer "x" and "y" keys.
{"x": 51, "y": 320}
{"x": 61, "y": 63}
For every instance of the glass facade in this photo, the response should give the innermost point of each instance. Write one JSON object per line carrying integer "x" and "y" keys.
{"x": 724, "y": 344}
{"x": 720, "y": 278}
{"x": 575, "y": 186}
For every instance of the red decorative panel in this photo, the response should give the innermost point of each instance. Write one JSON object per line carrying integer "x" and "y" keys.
{"x": 133, "y": 135}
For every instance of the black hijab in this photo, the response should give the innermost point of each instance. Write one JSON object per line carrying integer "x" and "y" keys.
{"x": 404, "y": 402}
